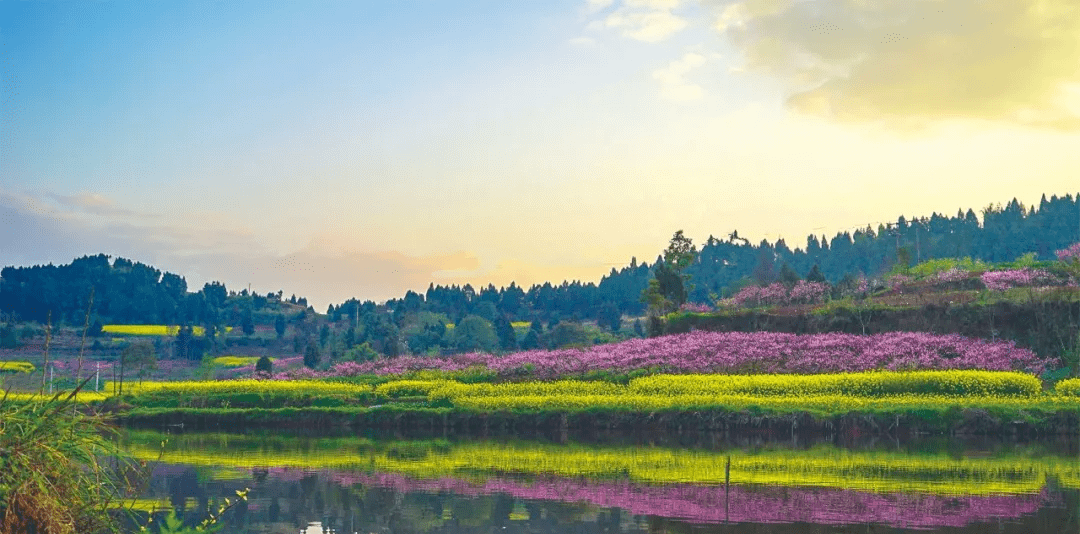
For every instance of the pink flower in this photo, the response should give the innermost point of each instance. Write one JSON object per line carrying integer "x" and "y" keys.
{"x": 1002, "y": 280}
{"x": 1069, "y": 254}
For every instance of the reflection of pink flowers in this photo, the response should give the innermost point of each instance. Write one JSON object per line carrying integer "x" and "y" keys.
{"x": 706, "y": 503}
{"x": 1002, "y": 280}
{"x": 725, "y": 352}
{"x": 1069, "y": 254}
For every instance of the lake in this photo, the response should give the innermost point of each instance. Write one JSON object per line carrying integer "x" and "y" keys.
{"x": 612, "y": 483}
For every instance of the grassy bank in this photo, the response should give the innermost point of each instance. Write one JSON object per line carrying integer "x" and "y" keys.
{"x": 51, "y": 475}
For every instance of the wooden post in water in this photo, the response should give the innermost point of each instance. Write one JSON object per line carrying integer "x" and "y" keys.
{"x": 564, "y": 428}
{"x": 727, "y": 488}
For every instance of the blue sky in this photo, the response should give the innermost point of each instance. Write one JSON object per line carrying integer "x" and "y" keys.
{"x": 340, "y": 149}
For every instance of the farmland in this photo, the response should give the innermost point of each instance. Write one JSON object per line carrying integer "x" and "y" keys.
{"x": 934, "y": 398}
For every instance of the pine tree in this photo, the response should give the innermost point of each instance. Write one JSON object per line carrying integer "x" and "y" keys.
{"x": 311, "y": 356}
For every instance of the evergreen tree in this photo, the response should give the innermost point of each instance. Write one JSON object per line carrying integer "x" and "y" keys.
{"x": 264, "y": 365}
{"x": 279, "y": 325}
{"x": 610, "y": 317}
{"x": 8, "y": 338}
{"x": 248, "y": 322}
{"x": 531, "y": 341}
{"x": 505, "y": 332}
{"x": 669, "y": 287}
{"x": 788, "y": 276}
{"x": 311, "y": 356}
{"x": 324, "y": 335}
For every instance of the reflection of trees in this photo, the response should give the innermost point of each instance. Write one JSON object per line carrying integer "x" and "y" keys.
{"x": 472, "y": 513}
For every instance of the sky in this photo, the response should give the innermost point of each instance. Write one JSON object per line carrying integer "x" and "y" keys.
{"x": 361, "y": 149}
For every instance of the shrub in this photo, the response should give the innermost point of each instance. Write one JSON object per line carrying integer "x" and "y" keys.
{"x": 264, "y": 365}
{"x": 1069, "y": 386}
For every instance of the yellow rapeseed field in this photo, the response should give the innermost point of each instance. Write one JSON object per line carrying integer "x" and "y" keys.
{"x": 83, "y": 396}
{"x": 202, "y": 387}
{"x": 1069, "y": 386}
{"x": 16, "y": 366}
{"x": 831, "y": 393}
{"x": 236, "y": 361}
{"x": 149, "y": 329}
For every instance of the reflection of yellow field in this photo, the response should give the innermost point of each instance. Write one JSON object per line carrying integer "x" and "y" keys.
{"x": 884, "y": 472}
{"x": 145, "y": 505}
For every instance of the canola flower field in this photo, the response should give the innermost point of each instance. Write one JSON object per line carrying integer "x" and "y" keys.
{"x": 151, "y": 330}
{"x": 236, "y": 361}
{"x": 819, "y": 395}
{"x": 148, "y": 330}
{"x": 16, "y": 366}
{"x": 240, "y": 394}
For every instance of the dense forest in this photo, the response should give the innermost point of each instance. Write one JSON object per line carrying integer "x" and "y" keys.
{"x": 724, "y": 265}
{"x": 129, "y": 292}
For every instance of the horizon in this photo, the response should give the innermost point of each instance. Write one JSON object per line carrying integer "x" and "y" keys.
{"x": 357, "y": 150}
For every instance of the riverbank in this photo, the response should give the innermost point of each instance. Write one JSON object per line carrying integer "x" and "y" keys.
{"x": 435, "y": 421}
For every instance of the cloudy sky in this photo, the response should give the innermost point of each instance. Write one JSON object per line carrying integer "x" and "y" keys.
{"x": 340, "y": 149}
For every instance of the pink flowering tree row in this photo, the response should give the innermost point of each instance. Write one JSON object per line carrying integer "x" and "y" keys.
{"x": 1002, "y": 280}
{"x": 802, "y": 292}
{"x": 1070, "y": 254}
{"x": 724, "y": 352}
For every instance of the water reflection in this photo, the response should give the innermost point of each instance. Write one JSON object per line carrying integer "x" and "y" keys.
{"x": 350, "y": 484}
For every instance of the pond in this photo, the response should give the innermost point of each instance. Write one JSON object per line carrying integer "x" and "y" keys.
{"x": 679, "y": 483}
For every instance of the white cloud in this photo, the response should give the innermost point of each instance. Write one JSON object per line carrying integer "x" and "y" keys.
{"x": 582, "y": 41}
{"x": 647, "y": 20}
{"x": 916, "y": 61}
{"x": 673, "y": 83}
{"x": 93, "y": 203}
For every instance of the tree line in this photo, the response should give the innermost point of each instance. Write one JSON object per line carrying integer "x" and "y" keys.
{"x": 130, "y": 292}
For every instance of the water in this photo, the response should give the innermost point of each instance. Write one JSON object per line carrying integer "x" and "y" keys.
{"x": 348, "y": 484}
